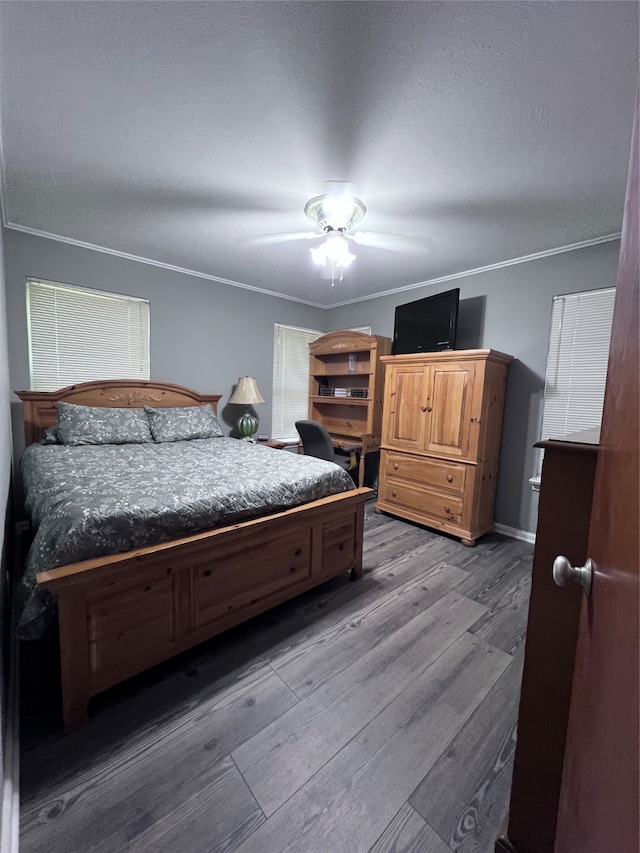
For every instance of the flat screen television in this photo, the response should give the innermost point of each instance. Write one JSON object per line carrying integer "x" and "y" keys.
{"x": 427, "y": 325}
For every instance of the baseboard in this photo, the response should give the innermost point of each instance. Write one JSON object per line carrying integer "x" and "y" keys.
{"x": 10, "y": 828}
{"x": 514, "y": 533}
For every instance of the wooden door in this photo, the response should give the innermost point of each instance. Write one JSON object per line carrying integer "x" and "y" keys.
{"x": 405, "y": 406}
{"x": 448, "y": 407}
{"x": 598, "y": 808}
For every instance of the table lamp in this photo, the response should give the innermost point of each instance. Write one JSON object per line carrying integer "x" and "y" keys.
{"x": 247, "y": 394}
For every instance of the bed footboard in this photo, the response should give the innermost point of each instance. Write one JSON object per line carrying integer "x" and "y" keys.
{"x": 122, "y": 614}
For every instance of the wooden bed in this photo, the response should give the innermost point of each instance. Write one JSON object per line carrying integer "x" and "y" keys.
{"x": 122, "y": 614}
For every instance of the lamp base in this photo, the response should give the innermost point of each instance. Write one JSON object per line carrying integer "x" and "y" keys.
{"x": 247, "y": 426}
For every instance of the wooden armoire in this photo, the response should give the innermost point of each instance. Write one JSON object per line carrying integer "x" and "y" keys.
{"x": 441, "y": 426}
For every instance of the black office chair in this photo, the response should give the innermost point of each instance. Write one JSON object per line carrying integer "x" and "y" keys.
{"x": 316, "y": 441}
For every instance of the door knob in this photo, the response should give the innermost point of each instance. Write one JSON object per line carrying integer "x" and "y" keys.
{"x": 563, "y": 572}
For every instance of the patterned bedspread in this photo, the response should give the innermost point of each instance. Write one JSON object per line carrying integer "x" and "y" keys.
{"x": 95, "y": 500}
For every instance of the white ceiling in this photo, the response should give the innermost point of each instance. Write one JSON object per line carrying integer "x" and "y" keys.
{"x": 179, "y": 131}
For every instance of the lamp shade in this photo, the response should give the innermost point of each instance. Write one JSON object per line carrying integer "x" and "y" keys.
{"x": 247, "y": 392}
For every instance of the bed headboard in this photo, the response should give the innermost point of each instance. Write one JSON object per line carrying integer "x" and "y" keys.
{"x": 39, "y": 407}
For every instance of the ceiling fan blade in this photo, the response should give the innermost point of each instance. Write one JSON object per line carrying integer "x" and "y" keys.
{"x": 274, "y": 239}
{"x": 389, "y": 242}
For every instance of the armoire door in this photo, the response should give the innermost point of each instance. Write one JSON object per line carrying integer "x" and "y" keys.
{"x": 406, "y": 405}
{"x": 449, "y": 409}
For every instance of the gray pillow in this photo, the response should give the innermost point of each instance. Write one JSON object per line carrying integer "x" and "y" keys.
{"x": 183, "y": 423}
{"x": 95, "y": 425}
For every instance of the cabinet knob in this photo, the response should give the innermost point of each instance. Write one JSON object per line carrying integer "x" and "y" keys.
{"x": 424, "y": 408}
{"x": 447, "y": 509}
{"x": 395, "y": 465}
{"x": 429, "y": 408}
{"x": 393, "y": 493}
{"x": 449, "y": 478}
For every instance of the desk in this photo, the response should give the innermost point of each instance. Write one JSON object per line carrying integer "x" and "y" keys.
{"x": 365, "y": 444}
{"x": 278, "y": 444}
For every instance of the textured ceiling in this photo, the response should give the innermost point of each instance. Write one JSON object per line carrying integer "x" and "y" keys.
{"x": 181, "y": 131}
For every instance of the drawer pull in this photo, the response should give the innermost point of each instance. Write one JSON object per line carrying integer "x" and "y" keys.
{"x": 449, "y": 478}
{"x": 429, "y": 409}
{"x": 424, "y": 408}
{"x": 447, "y": 509}
{"x": 393, "y": 493}
{"x": 395, "y": 465}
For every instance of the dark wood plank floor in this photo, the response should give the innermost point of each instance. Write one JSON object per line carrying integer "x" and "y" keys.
{"x": 374, "y": 716}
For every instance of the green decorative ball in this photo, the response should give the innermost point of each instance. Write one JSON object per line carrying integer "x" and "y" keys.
{"x": 247, "y": 425}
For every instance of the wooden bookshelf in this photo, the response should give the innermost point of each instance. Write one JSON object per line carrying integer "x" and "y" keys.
{"x": 349, "y": 361}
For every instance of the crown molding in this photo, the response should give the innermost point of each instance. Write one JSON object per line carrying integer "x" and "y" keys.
{"x": 571, "y": 247}
{"x": 547, "y": 253}
{"x": 35, "y": 232}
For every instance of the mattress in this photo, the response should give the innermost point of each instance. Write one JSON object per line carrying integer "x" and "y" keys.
{"x": 96, "y": 500}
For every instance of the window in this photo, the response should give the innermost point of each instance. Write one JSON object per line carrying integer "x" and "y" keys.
{"x": 291, "y": 377}
{"x": 577, "y": 362}
{"x": 77, "y": 334}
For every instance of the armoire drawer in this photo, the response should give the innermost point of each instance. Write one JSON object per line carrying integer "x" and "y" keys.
{"x": 442, "y": 475}
{"x": 422, "y": 500}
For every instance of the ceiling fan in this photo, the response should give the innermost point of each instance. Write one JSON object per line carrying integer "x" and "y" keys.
{"x": 334, "y": 214}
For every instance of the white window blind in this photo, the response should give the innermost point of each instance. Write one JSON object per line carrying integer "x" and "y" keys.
{"x": 577, "y": 362}
{"x": 77, "y": 334}
{"x": 290, "y": 379}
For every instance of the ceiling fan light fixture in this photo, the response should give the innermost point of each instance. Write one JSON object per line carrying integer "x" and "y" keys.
{"x": 334, "y": 249}
{"x": 330, "y": 212}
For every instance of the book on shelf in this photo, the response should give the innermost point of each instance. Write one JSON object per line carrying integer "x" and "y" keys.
{"x": 356, "y": 393}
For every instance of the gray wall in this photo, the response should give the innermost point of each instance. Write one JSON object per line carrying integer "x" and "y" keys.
{"x": 5, "y": 479}
{"x": 203, "y": 334}
{"x": 508, "y": 309}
